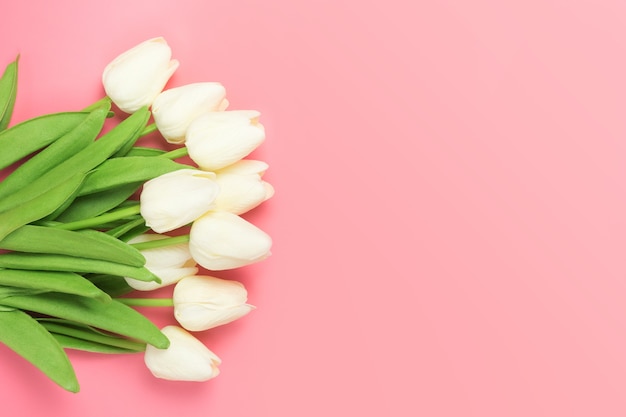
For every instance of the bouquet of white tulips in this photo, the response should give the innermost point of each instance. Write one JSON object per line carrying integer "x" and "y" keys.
{"x": 85, "y": 217}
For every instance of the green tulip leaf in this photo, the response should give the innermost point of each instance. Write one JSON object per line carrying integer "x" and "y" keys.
{"x": 113, "y": 285}
{"x": 76, "y": 343}
{"x": 31, "y": 135}
{"x": 8, "y": 92}
{"x": 143, "y": 151}
{"x": 92, "y": 205}
{"x": 103, "y": 102}
{"x": 81, "y": 337}
{"x": 51, "y": 262}
{"x": 83, "y": 244}
{"x": 116, "y": 172}
{"x": 83, "y": 161}
{"x": 38, "y": 205}
{"x": 67, "y": 282}
{"x": 8, "y": 291}
{"x": 117, "y": 250}
{"x": 112, "y": 316}
{"x": 29, "y": 339}
{"x": 59, "y": 151}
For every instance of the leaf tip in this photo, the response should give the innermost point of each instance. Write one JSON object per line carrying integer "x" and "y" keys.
{"x": 71, "y": 386}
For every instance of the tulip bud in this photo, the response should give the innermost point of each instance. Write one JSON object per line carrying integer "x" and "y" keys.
{"x": 174, "y": 109}
{"x": 136, "y": 77}
{"x": 186, "y": 359}
{"x": 241, "y": 187}
{"x": 203, "y": 302}
{"x": 215, "y": 140}
{"x": 220, "y": 240}
{"x": 170, "y": 263}
{"x": 177, "y": 198}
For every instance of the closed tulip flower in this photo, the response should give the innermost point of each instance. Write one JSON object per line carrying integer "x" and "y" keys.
{"x": 177, "y": 198}
{"x": 186, "y": 359}
{"x": 241, "y": 187}
{"x": 221, "y": 240}
{"x": 170, "y": 263}
{"x": 203, "y": 302}
{"x": 174, "y": 109}
{"x": 136, "y": 77}
{"x": 218, "y": 139}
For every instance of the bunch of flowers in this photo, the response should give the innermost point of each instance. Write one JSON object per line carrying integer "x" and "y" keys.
{"x": 88, "y": 217}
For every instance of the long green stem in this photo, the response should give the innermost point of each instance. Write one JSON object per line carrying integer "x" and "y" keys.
{"x": 176, "y": 153}
{"x": 126, "y": 227}
{"x": 148, "y": 129}
{"x": 147, "y": 302}
{"x": 160, "y": 243}
{"x": 100, "y": 220}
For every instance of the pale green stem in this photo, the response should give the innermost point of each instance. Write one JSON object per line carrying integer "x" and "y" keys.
{"x": 99, "y": 220}
{"x": 160, "y": 243}
{"x": 176, "y": 153}
{"x": 149, "y": 129}
{"x": 122, "y": 229}
{"x": 147, "y": 302}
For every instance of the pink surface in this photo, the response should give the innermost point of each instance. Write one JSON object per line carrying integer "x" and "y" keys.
{"x": 448, "y": 221}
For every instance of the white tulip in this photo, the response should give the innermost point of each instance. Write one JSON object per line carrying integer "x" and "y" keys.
{"x": 170, "y": 263}
{"x": 218, "y": 139}
{"x": 186, "y": 359}
{"x": 203, "y": 302}
{"x": 174, "y": 109}
{"x": 220, "y": 240}
{"x": 177, "y": 198}
{"x": 241, "y": 187}
{"x": 136, "y": 77}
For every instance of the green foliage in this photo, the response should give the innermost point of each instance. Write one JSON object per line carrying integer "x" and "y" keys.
{"x": 66, "y": 213}
{"x": 8, "y": 92}
{"x": 35, "y": 344}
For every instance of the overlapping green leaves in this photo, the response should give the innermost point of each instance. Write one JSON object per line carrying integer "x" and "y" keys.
{"x": 58, "y": 276}
{"x": 35, "y": 344}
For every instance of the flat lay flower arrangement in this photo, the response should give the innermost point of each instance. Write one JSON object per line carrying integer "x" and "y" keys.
{"x": 87, "y": 217}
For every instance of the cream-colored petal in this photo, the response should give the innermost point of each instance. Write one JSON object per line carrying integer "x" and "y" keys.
{"x": 245, "y": 167}
{"x": 174, "y": 109}
{"x": 199, "y": 317}
{"x": 177, "y": 198}
{"x": 186, "y": 359}
{"x": 222, "y": 240}
{"x": 137, "y": 76}
{"x": 240, "y": 193}
{"x": 216, "y": 140}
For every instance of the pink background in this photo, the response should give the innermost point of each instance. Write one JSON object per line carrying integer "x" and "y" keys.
{"x": 449, "y": 223}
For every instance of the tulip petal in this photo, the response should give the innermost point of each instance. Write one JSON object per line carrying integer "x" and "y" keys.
{"x": 244, "y": 167}
{"x": 137, "y": 76}
{"x": 199, "y": 317}
{"x": 216, "y": 140}
{"x": 169, "y": 263}
{"x": 222, "y": 240}
{"x": 174, "y": 109}
{"x": 186, "y": 359}
{"x": 175, "y": 199}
